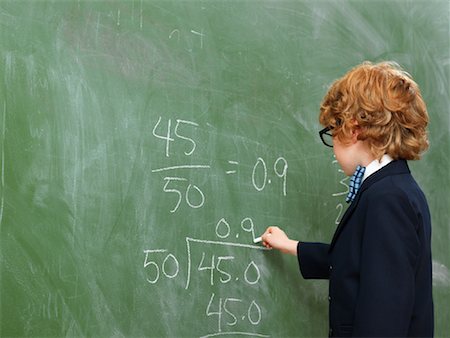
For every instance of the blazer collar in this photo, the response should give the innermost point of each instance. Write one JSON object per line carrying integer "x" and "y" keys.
{"x": 396, "y": 167}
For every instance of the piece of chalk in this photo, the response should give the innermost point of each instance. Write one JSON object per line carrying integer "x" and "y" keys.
{"x": 257, "y": 240}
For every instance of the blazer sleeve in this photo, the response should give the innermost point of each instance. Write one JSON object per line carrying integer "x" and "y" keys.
{"x": 313, "y": 259}
{"x": 389, "y": 252}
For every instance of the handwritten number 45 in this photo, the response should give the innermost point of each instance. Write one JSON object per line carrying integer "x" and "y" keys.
{"x": 234, "y": 312}
{"x": 167, "y": 137}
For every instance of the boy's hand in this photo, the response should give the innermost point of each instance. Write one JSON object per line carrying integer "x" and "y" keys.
{"x": 276, "y": 238}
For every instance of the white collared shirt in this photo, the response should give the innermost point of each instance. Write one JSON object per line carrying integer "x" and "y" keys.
{"x": 376, "y": 165}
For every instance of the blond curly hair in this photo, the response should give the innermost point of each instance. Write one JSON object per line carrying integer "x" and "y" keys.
{"x": 385, "y": 104}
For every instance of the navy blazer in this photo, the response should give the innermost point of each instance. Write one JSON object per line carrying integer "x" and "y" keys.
{"x": 379, "y": 261}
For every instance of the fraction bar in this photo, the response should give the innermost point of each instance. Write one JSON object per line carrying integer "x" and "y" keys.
{"x": 182, "y": 167}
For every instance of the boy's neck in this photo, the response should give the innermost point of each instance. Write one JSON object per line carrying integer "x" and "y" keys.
{"x": 365, "y": 155}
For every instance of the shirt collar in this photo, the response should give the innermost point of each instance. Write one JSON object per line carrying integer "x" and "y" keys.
{"x": 376, "y": 165}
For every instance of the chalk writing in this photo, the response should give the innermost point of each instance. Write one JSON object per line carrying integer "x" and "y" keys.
{"x": 220, "y": 262}
{"x": 201, "y": 35}
{"x": 223, "y": 229}
{"x": 340, "y": 205}
{"x": 261, "y": 166}
{"x": 230, "y": 310}
{"x": 168, "y": 272}
{"x": 192, "y": 201}
{"x": 232, "y": 171}
{"x": 217, "y": 267}
{"x": 181, "y": 187}
{"x": 167, "y": 136}
{"x": 181, "y": 167}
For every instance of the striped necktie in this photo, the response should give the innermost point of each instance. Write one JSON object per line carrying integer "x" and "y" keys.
{"x": 355, "y": 183}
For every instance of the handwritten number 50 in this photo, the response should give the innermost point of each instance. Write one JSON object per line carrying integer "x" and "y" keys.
{"x": 169, "y": 259}
{"x": 190, "y": 190}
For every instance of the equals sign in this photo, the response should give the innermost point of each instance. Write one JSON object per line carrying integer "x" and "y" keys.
{"x": 232, "y": 171}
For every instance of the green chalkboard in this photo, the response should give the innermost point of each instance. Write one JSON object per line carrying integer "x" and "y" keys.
{"x": 144, "y": 144}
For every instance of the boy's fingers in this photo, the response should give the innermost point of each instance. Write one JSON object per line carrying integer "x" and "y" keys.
{"x": 266, "y": 236}
{"x": 272, "y": 228}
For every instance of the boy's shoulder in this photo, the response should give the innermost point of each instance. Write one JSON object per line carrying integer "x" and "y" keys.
{"x": 399, "y": 186}
{"x": 393, "y": 179}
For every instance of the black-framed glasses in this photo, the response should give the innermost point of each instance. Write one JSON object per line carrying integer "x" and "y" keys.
{"x": 326, "y": 136}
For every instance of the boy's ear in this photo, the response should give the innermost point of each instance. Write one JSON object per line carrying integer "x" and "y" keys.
{"x": 356, "y": 130}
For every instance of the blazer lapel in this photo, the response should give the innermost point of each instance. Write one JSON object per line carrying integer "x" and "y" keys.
{"x": 393, "y": 168}
{"x": 344, "y": 219}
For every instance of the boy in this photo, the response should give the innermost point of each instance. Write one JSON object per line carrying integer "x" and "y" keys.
{"x": 379, "y": 260}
